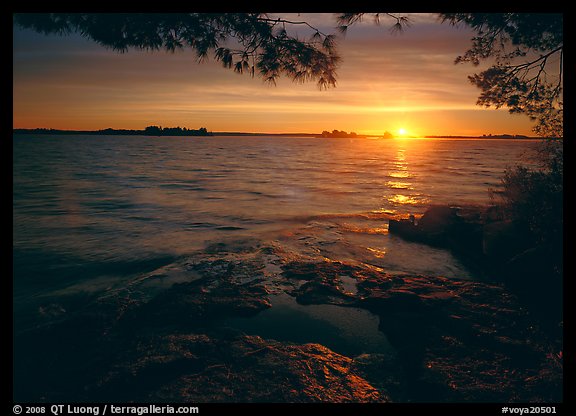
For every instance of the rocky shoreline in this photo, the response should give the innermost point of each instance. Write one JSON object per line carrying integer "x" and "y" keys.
{"x": 501, "y": 250}
{"x": 454, "y": 340}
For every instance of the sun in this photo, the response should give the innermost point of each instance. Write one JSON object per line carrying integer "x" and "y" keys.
{"x": 402, "y": 131}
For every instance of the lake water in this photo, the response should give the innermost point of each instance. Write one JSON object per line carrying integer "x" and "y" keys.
{"x": 93, "y": 214}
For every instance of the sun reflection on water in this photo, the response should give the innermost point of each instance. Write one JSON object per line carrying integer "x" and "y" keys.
{"x": 399, "y": 174}
{"x": 377, "y": 253}
{"x": 400, "y": 171}
{"x": 399, "y": 185}
{"x": 404, "y": 199}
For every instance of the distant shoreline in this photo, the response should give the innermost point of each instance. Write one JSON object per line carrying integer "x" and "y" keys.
{"x": 149, "y": 131}
{"x": 194, "y": 133}
{"x": 486, "y": 136}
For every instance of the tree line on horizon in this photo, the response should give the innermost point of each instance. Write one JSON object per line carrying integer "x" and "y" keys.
{"x": 148, "y": 131}
{"x": 339, "y": 134}
{"x": 175, "y": 131}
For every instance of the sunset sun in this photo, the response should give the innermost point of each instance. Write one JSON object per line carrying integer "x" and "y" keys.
{"x": 402, "y": 131}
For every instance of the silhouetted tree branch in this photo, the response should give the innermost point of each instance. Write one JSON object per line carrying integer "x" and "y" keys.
{"x": 245, "y": 42}
{"x": 533, "y": 86}
{"x": 347, "y": 19}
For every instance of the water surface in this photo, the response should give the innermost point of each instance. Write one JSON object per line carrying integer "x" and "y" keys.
{"x": 91, "y": 214}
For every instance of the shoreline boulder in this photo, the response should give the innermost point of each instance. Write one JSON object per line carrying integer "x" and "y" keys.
{"x": 444, "y": 226}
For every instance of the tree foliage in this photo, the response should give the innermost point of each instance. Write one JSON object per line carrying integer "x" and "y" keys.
{"x": 175, "y": 131}
{"x": 534, "y": 198}
{"x": 338, "y": 134}
{"x": 252, "y": 43}
{"x": 526, "y": 75}
{"x": 345, "y": 20}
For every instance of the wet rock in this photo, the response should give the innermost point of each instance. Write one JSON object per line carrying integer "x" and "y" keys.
{"x": 199, "y": 368}
{"x": 434, "y": 227}
{"x": 405, "y": 228}
{"x": 327, "y": 271}
{"x": 323, "y": 281}
{"x": 394, "y": 301}
{"x": 319, "y": 292}
{"x": 438, "y": 218}
{"x": 384, "y": 372}
{"x": 192, "y": 305}
{"x": 456, "y": 228}
{"x": 454, "y": 341}
{"x": 463, "y": 341}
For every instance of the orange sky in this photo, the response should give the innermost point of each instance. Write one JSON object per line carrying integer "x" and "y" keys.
{"x": 386, "y": 82}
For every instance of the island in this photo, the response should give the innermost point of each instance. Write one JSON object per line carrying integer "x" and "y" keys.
{"x": 338, "y": 134}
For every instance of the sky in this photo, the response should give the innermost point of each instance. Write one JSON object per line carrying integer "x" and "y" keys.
{"x": 386, "y": 82}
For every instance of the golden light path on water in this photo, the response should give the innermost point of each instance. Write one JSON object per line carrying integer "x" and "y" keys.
{"x": 400, "y": 170}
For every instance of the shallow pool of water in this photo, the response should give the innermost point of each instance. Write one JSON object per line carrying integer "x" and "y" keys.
{"x": 345, "y": 330}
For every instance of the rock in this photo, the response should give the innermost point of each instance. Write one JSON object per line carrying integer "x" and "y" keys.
{"x": 462, "y": 340}
{"x": 437, "y": 219}
{"x": 385, "y": 373}
{"x": 198, "y": 368}
{"x": 327, "y": 271}
{"x": 499, "y": 250}
{"x": 404, "y": 228}
{"x": 454, "y": 340}
{"x": 393, "y": 301}
{"x": 323, "y": 281}
{"x": 449, "y": 334}
{"x": 192, "y": 305}
{"x": 456, "y": 228}
{"x": 320, "y": 292}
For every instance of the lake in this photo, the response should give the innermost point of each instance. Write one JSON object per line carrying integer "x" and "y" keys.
{"x": 95, "y": 214}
